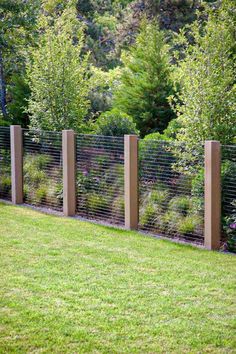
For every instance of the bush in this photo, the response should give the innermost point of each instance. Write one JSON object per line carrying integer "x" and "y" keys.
{"x": 180, "y": 204}
{"x": 40, "y": 182}
{"x": 115, "y": 123}
{"x": 41, "y": 193}
{"x": 159, "y": 197}
{"x": 170, "y": 222}
{"x": 188, "y": 224}
{"x": 169, "y": 134}
{"x": 118, "y": 207}
{"x": 152, "y": 207}
{"x": 148, "y": 214}
{"x": 97, "y": 202}
{"x": 5, "y": 184}
{"x": 230, "y": 229}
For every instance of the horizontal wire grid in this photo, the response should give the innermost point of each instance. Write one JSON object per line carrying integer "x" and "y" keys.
{"x": 5, "y": 163}
{"x": 171, "y": 201}
{"x": 100, "y": 178}
{"x": 228, "y": 183}
{"x": 42, "y": 169}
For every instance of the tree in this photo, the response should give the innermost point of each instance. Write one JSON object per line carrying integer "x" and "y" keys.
{"x": 206, "y": 103}
{"x": 58, "y": 74}
{"x": 16, "y": 28}
{"x": 145, "y": 82}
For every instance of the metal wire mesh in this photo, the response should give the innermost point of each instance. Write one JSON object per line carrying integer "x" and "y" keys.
{"x": 42, "y": 169}
{"x": 171, "y": 191}
{"x": 228, "y": 183}
{"x": 100, "y": 178}
{"x": 5, "y": 163}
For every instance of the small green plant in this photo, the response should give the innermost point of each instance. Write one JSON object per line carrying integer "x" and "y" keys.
{"x": 5, "y": 184}
{"x": 118, "y": 207}
{"x": 188, "y": 224}
{"x": 180, "y": 204}
{"x": 41, "y": 193}
{"x": 115, "y": 123}
{"x": 159, "y": 197}
{"x": 170, "y": 222}
{"x": 97, "y": 203}
{"x": 148, "y": 214}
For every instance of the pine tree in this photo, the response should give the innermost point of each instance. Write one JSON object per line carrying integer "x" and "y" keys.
{"x": 145, "y": 82}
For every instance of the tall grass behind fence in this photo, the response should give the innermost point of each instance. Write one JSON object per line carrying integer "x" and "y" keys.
{"x": 5, "y": 163}
{"x": 42, "y": 169}
{"x": 100, "y": 177}
{"x": 169, "y": 205}
{"x": 228, "y": 183}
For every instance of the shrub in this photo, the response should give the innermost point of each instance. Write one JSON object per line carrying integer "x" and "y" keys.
{"x": 41, "y": 193}
{"x": 169, "y": 134}
{"x": 188, "y": 224}
{"x": 115, "y": 123}
{"x": 230, "y": 229}
{"x": 5, "y": 184}
{"x": 170, "y": 222}
{"x": 40, "y": 182}
{"x": 180, "y": 204}
{"x": 118, "y": 207}
{"x": 153, "y": 204}
{"x": 159, "y": 197}
{"x": 148, "y": 214}
{"x": 97, "y": 202}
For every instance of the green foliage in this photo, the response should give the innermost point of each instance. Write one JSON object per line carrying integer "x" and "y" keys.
{"x": 230, "y": 229}
{"x": 188, "y": 224}
{"x": 16, "y": 34}
{"x": 180, "y": 204}
{"x": 207, "y": 105}
{"x": 58, "y": 75}
{"x": 152, "y": 206}
{"x": 41, "y": 183}
{"x": 118, "y": 207}
{"x": 19, "y": 92}
{"x": 148, "y": 214}
{"x": 5, "y": 183}
{"x": 169, "y": 134}
{"x": 96, "y": 202}
{"x": 115, "y": 123}
{"x": 145, "y": 82}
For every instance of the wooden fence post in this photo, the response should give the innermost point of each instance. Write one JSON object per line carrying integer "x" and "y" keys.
{"x": 212, "y": 195}
{"x": 131, "y": 181}
{"x": 16, "y": 164}
{"x": 68, "y": 155}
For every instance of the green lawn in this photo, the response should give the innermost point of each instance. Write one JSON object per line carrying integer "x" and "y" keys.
{"x": 69, "y": 286}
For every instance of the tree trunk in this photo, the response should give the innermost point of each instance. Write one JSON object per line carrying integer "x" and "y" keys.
{"x": 3, "y": 101}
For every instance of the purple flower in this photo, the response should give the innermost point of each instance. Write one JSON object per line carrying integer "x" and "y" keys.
{"x": 233, "y": 226}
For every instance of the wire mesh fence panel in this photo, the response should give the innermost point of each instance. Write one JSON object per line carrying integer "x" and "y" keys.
{"x": 228, "y": 183}
{"x": 171, "y": 190}
{"x": 100, "y": 178}
{"x": 42, "y": 169}
{"x": 5, "y": 163}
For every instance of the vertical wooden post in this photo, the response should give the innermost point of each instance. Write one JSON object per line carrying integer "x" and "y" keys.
{"x": 131, "y": 181}
{"x": 212, "y": 195}
{"x": 16, "y": 164}
{"x": 68, "y": 154}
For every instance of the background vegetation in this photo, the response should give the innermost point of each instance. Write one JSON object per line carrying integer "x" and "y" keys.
{"x": 163, "y": 69}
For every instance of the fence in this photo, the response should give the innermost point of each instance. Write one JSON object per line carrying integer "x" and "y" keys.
{"x": 158, "y": 187}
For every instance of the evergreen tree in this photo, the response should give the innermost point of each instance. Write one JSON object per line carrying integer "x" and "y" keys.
{"x": 58, "y": 74}
{"x": 145, "y": 82}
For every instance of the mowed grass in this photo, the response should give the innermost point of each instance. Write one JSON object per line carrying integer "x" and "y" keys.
{"x": 69, "y": 286}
